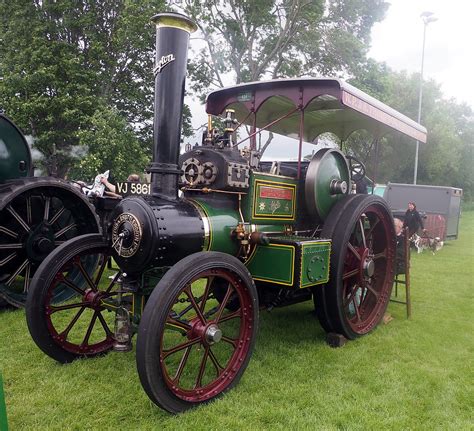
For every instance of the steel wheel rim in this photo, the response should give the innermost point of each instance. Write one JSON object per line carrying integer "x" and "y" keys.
{"x": 29, "y": 235}
{"x": 87, "y": 300}
{"x": 367, "y": 271}
{"x": 197, "y": 329}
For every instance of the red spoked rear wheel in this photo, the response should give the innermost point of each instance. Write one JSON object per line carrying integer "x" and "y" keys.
{"x": 361, "y": 268}
{"x": 191, "y": 347}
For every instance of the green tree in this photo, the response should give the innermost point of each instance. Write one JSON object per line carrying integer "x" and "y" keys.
{"x": 61, "y": 60}
{"x": 252, "y": 40}
{"x": 110, "y": 144}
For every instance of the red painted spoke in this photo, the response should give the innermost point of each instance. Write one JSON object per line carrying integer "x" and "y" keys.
{"x": 362, "y": 232}
{"x": 178, "y": 323}
{"x": 380, "y": 255}
{"x": 56, "y": 308}
{"x": 167, "y": 352}
{"x": 350, "y": 274}
{"x": 190, "y": 295}
{"x": 354, "y": 251}
{"x": 182, "y": 364}
{"x": 219, "y": 367}
{"x": 101, "y": 270}
{"x": 89, "y": 329}
{"x": 373, "y": 227}
{"x": 372, "y": 290}
{"x": 223, "y": 303}
{"x": 102, "y": 321}
{"x": 86, "y": 275}
{"x": 356, "y": 308}
{"x": 112, "y": 283}
{"x": 71, "y": 285}
{"x": 231, "y": 341}
{"x": 202, "y": 368}
{"x": 206, "y": 293}
{"x": 351, "y": 296}
{"x": 65, "y": 333}
{"x": 230, "y": 316}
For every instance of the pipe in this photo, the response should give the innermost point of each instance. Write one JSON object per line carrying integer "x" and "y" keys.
{"x": 172, "y": 40}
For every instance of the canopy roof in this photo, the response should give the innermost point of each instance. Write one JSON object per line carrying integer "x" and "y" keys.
{"x": 329, "y": 105}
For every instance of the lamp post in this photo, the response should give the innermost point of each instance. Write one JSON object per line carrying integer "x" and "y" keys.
{"x": 427, "y": 17}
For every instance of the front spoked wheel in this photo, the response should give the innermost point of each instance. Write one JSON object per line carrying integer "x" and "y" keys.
{"x": 81, "y": 326}
{"x": 192, "y": 346}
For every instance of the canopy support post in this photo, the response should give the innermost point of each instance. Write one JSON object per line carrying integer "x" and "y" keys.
{"x": 300, "y": 149}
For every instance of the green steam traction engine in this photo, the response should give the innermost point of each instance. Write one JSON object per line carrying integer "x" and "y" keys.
{"x": 195, "y": 268}
{"x": 37, "y": 214}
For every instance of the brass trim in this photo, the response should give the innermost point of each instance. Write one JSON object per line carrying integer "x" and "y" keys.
{"x": 206, "y": 223}
{"x": 172, "y": 20}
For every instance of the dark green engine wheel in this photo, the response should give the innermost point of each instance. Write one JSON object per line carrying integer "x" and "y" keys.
{"x": 36, "y": 216}
{"x": 191, "y": 347}
{"x": 354, "y": 300}
{"x": 82, "y": 325}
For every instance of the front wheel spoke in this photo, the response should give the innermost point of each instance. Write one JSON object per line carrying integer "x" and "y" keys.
{"x": 112, "y": 283}
{"x": 190, "y": 295}
{"x": 85, "y": 342}
{"x": 86, "y": 276}
{"x": 179, "y": 347}
{"x": 28, "y": 210}
{"x": 178, "y": 324}
{"x": 55, "y": 308}
{"x": 182, "y": 364}
{"x": 17, "y": 272}
{"x": 206, "y": 293}
{"x": 231, "y": 341}
{"x": 223, "y": 303}
{"x": 236, "y": 314}
{"x": 65, "y": 333}
{"x": 102, "y": 321}
{"x": 64, "y": 230}
{"x": 101, "y": 270}
{"x": 18, "y": 219}
{"x": 350, "y": 274}
{"x": 202, "y": 368}
{"x": 351, "y": 296}
{"x": 72, "y": 286}
{"x": 219, "y": 368}
{"x": 353, "y": 250}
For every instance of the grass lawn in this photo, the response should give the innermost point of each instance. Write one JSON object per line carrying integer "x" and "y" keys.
{"x": 409, "y": 374}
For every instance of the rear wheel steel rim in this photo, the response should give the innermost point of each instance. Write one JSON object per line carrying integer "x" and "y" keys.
{"x": 33, "y": 224}
{"x": 80, "y": 325}
{"x": 366, "y": 275}
{"x": 192, "y": 364}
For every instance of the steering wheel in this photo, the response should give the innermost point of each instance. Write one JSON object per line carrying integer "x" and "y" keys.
{"x": 356, "y": 167}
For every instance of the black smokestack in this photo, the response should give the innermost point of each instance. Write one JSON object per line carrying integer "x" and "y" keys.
{"x": 172, "y": 40}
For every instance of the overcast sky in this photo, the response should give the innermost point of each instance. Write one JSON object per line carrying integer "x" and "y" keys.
{"x": 449, "y": 51}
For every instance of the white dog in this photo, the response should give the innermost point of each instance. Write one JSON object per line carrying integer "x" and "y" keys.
{"x": 425, "y": 243}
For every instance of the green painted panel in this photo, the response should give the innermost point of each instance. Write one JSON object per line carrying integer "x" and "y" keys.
{"x": 315, "y": 263}
{"x": 15, "y": 159}
{"x": 3, "y": 408}
{"x": 222, "y": 222}
{"x": 271, "y": 199}
{"x": 273, "y": 263}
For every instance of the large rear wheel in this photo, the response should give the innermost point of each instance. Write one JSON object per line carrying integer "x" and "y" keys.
{"x": 191, "y": 348}
{"x": 354, "y": 300}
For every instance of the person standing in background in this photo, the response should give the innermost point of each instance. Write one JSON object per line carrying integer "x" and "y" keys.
{"x": 413, "y": 220}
